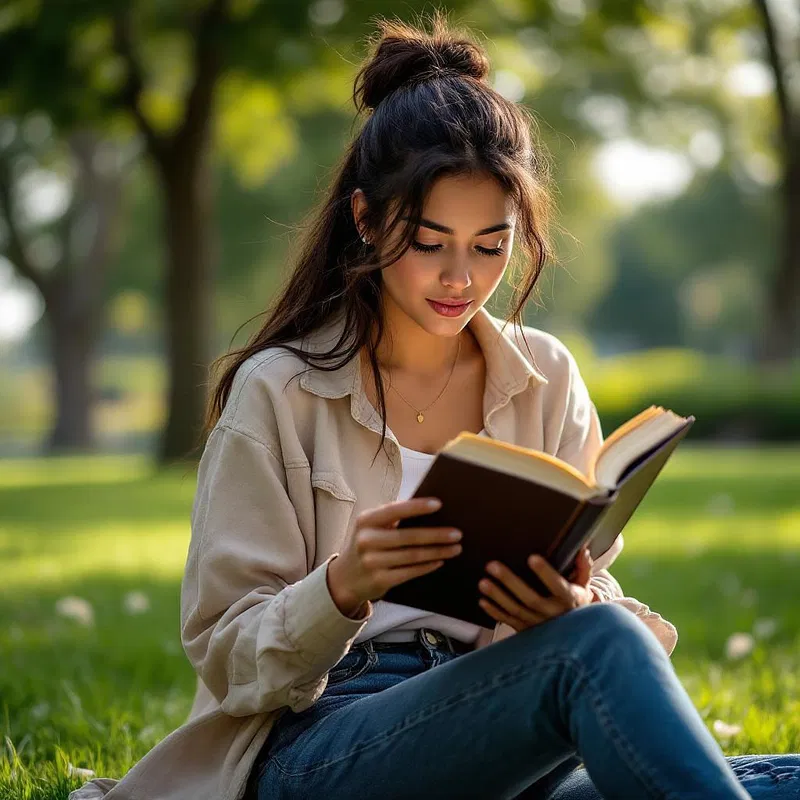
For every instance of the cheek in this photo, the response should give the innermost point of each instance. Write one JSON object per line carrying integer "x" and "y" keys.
{"x": 407, "y": 276}
{"x": 492, "y": 273}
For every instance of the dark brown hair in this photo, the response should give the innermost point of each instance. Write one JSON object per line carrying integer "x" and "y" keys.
{"x": 429, "y": 112}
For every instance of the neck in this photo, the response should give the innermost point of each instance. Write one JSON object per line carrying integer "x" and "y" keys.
{"x": 408, "y": 349}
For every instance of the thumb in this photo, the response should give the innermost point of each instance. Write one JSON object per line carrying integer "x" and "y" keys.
{"x": 584, "y": 570}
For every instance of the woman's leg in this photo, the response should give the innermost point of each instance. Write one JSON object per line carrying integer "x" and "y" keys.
{"x": 490, "y": 723}
{"x": 767, "y": 777}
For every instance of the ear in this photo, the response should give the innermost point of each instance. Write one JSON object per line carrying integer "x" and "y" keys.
{"x": 358, "y": 204}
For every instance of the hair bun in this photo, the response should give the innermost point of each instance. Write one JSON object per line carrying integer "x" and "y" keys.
{"x": 404, "y": 55}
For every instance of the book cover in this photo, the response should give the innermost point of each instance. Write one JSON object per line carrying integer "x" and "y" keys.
{"x": 507, "y": 518}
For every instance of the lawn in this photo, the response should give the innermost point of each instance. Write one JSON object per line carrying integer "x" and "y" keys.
{"x": 93, "y": 551}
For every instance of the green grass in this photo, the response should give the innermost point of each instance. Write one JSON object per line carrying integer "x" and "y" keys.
{"x": 714, "y": 548}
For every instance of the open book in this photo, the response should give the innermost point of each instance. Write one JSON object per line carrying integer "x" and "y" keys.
{"x": 511, "y": 501}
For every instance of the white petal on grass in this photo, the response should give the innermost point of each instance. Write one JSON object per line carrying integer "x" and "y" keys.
{"x": 729, "y": 584}
{"x": 78, "y": 772}
{"x": 76, "y": 608}
{"x": 149, "y": 732}
{"x": 765, "y": 627}
{"x": 720, "y": 505}
{"x": 641, "y": 569}
{"x": 749, "y": 598}
{"x": 694, "y": 547}
{"x": 136, "y": 602}
{"x": 724, "y": 730}
{"x": 739, "y": 645}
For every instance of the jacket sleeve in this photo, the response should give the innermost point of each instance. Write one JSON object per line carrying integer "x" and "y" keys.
{"x": 260, "y": 629}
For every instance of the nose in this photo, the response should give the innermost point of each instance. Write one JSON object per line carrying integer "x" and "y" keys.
{"x": 456, "y": 277}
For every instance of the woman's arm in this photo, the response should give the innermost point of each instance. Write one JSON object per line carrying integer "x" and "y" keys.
{"x": 260, "y": 630}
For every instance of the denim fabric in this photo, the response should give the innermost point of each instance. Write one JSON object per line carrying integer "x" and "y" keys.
{"x": 517, "y": 719}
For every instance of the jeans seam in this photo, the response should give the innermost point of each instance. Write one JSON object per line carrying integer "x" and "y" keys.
{"x": 621, "y": 744}
{"x": 416, "y": 717}
{"x": 348, "y": 673}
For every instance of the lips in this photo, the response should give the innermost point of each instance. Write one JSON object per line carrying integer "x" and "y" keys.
{"x": 449, "y": 308}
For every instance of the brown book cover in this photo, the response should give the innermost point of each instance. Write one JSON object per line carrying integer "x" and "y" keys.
{"x": 507, "y": 518}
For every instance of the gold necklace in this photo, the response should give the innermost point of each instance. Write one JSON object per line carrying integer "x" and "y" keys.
{"x": 420, "y": 415}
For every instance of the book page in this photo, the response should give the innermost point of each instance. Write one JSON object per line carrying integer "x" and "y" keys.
{"x": 521, "y": 462}
{"x": 632, "y": 440}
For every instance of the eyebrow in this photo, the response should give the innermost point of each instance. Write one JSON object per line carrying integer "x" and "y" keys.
{"x": 426, "y": 223}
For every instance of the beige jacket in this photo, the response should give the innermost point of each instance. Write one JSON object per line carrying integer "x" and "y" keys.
{"x": 282, "y": 475}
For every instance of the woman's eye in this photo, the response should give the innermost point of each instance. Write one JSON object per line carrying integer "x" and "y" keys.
{"x": 433, "y": 248}
{"x": 490, "y": 251}
{"x": 426, "y": 248}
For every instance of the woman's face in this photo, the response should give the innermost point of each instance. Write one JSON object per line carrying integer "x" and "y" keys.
{"x": 458, "y": 255}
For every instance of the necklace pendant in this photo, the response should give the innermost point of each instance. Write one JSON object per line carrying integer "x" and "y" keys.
{"x": 420, "y": 418}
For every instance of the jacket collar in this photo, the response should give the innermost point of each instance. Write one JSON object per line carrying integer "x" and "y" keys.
{"x": 508, "y": 370}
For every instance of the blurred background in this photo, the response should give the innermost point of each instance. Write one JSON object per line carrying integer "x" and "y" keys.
{"x": 156, "y": 162}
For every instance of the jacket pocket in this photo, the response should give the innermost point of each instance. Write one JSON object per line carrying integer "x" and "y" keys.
{"x": 333, "y": 483}
{"x": 334, "y": 503}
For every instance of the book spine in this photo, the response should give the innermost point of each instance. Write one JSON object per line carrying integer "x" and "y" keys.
{"x": 565, "y": 529}
{"x": 562, "y": 556}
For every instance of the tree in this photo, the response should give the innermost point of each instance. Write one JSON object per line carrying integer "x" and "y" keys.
{"x": 666, "y": 74}
{"x": 159, "y": 64}
{"x": 783, "y": 331}
{"x": 80, "y": 243}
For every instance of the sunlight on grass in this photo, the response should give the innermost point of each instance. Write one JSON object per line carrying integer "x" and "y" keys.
{"x": 92, "y": 551}
{"x": 123, "y": 550}
{"x": 72, "y": 469}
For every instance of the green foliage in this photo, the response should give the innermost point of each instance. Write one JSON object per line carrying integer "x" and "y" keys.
{"x": 713, "y": 548}
{"x": 715, "y": 236}
{"x": 728, "y": 399}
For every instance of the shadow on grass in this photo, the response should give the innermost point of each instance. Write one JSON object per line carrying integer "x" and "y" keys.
{"x": 153, "y": 499}
{"x": 124, "y": 682}
{"x": 714, "y": 593}
{"x": 169, "y": 495}
{"x": 708, "y": 597}
{"x": 687, "y": 498}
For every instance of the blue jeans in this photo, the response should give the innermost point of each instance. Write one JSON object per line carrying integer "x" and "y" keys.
{"x": 517, "y": 719}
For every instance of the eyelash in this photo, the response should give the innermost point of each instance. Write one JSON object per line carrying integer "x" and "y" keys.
{"x": 432, "y": 248}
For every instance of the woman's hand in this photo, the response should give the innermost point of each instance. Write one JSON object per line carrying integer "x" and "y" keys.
{"x": 377, "y": 554}
{"x": 519, "y": 606}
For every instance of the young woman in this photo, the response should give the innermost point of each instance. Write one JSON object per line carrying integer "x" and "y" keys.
{"x": 378, "y": 351}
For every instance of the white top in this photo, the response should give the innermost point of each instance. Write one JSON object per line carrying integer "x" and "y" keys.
{"x": 395, "y": 616}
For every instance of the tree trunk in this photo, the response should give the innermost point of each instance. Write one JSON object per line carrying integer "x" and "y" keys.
{"x": 73, "y": 292}
{"x": 782, "y": 335}
{"x": 73, "y": 340}
{"x": 191, "y": 245}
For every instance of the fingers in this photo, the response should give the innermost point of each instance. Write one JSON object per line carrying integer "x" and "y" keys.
{"x": 405, "y": 556}
{"x": 390, "y": 513}
{"x": 558, "y": 585}
{"x": 392, "y": 538}
{"x": 583, "y": 568}
{"x": 403, "y": 574}
{"x": 520, "y": 600}
{"x": 497, "y": 613}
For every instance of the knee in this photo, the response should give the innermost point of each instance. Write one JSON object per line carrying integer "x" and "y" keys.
{"x": 603, "y": 630}
{"x": 599, "y": 618}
